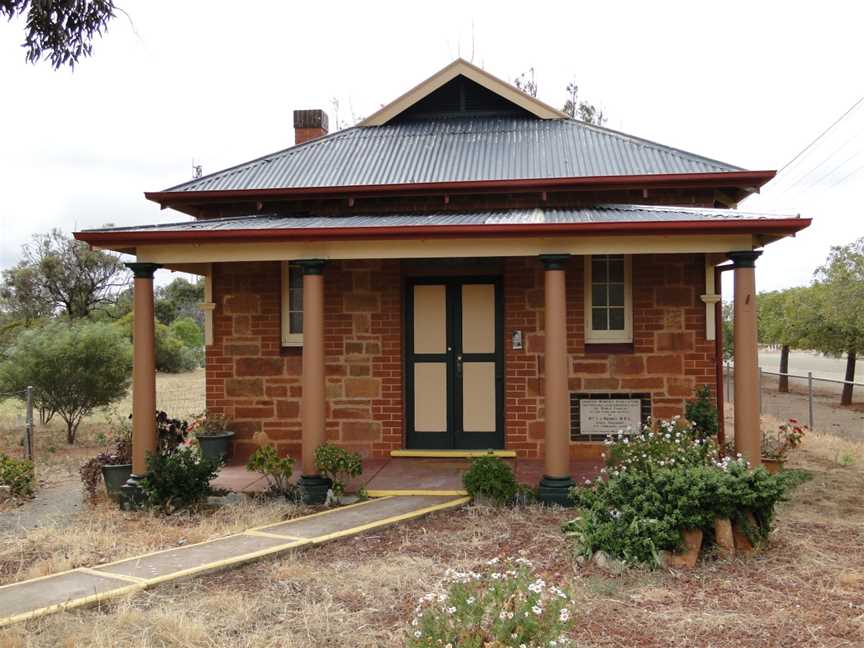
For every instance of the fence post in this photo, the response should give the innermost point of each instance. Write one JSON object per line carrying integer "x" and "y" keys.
{"x": 28, "y": 430}
{"x": 760, "y": 391}
{"x": 810, "y": 397}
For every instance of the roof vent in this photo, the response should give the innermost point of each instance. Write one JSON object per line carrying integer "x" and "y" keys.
{"x": 309, "y": 124}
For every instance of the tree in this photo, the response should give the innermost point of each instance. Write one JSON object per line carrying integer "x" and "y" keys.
{"x": 23, "y": 296}
{"x": 179, "y": 299}
{"x": 62, "y": 32}
{"x": 839, "y": 290}
{"x": 780, "y": 322}
{"x": 582, "y": 110}
{"x": 576, "y": 109}
{"x": 73, "y": 369}
{"x": 728, "y": 323}
{"x": 74, "y": 277}
{"x": 526, "y": 82}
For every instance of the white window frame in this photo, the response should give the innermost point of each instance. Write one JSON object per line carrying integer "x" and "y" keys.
{"x": 289, "y": 337}
{"x": 610, "y": 337}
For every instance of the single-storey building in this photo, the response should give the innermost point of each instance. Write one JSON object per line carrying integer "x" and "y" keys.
{"x": 467, "y": 268}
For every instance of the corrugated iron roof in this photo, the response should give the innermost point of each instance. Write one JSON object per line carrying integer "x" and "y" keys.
{"x": 598, "y": 214}
{"x": 457, "y": 150}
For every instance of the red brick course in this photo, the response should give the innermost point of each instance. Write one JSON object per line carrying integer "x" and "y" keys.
{"x": 256, "y": 383}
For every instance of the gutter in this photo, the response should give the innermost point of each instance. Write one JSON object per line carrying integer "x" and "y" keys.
{"x": 782, "y": 226}
{"x": 753, "y": 179}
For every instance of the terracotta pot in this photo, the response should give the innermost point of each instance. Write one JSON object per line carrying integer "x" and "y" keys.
{"x": 773, "y": 466}
{"x": 742, "y": 542}
{"x": 689, "y": 554}
{"x": 724, "y": 537}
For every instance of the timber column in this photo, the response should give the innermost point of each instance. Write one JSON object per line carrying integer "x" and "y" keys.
{"x": 748, "y": 430}
{"x": 143, "y": 379}
{"x": 556, "y": 482}
{"x": 313, "y": 486}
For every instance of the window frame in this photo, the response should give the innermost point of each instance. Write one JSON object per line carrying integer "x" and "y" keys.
{"x": 593, "y": 336}
{"x": 289, "y": 338}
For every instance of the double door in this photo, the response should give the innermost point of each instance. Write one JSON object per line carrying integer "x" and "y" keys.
{"x": 454, "y": 376}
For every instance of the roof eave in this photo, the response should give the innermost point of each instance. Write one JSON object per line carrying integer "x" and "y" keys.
{"x": 771, "y": 227}
{"x": 747, "y": 180}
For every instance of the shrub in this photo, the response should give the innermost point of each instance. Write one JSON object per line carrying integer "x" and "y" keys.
{"x": 338, "y": 464}
{"x": 178, "y": 480}
{"x": 277, "y": 471}
{"x": 119, "y": 451}
{"x": 209, "y": 424}
{"x": 171, "y": 433}
{"x": 18, "y": 475}
{"x": 702, "y": 414}
{"x": 491, "y": 477}
{"x": 662, "y": 481}
{"x": 73, "y": 368}
{"x": 172, "y": 355}
{"x": 504, "y": 604}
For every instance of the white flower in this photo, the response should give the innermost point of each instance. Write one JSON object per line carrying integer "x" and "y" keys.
{"x": 451, "y": 610}
{"x": 470, "y": 600}
{"x": 565, "y": 615}
{"x": 418, "y": 634}
{"x": 537, "y": 610}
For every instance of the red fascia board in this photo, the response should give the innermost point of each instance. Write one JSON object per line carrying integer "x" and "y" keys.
{"x": 663, "y": 180}
{"x": 661, "y": 228}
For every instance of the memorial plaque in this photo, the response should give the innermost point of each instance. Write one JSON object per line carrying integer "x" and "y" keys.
{"x": 609, "y": 415}
{"x": 594, "y": 416}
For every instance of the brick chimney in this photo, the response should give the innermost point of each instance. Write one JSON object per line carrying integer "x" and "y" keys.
{"x": 309, "y": 124}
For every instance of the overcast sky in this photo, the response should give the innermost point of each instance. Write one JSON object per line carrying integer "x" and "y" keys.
{"x": 749, "y": 83}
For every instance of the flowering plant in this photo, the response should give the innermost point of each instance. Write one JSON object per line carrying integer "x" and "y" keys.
{"x": 207, "y": 424}
{"x": 503, "y": 604}
{"x": 660, "y": 444}
{"x": 775, "y": 445}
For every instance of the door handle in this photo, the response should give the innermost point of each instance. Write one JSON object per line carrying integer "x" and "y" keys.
{"x": 459, "y": 365}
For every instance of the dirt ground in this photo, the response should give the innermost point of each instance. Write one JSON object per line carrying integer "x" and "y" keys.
{"x": 805, "y": 589}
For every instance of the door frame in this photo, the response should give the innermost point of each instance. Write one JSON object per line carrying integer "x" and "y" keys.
{"x": 454, "y": 438}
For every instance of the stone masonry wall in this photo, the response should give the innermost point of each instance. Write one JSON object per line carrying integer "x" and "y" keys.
{"x": 257, "y": 384}
{"x": 670, "y": 355}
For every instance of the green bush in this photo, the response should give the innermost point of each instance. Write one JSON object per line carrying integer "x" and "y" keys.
{"x": 178, "y": 480}
{"x": 491, "y": 477}
{"x": 503, "y": 604}
{"x": 73, "y": 368}
{"x": 277, "y": 471}
{"x": 338, "y": 464}
{"x": 172, "y": 354}
{"x": 702, "y": 414}
{"x": 18, "y": 474}
{"x": 661, "y": 481}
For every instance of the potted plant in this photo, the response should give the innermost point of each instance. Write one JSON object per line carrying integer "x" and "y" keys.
{"x": 339, "y": 466}
{"x": 114, "y": 465}
{"x": 776, "y": 444}
{"x": 490, "y": 481}
{"x": 213, "y": 435}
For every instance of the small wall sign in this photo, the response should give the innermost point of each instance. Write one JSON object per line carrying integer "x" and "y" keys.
{"x": 516, "y": 339}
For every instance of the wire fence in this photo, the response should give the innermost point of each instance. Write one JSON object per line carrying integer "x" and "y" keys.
{"x": 810, "y": 399}
{"x": 24, "y": 432}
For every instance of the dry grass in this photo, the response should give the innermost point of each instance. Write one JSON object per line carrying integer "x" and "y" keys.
{"x": 806, "y": 589}
{"x": 102, "y": 533}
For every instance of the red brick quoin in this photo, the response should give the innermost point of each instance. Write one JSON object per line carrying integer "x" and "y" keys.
{"x": 257, "y": 384}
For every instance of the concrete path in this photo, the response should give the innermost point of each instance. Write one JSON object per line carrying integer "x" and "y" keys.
{"x": 54, "y": 505}
{"x": 86, "y": 585}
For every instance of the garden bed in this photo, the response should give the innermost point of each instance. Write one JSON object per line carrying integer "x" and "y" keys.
{"x": 361, "y": 592}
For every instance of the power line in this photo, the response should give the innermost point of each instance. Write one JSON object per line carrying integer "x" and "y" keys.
{"x": 822, "y": 134}
{"x": 797, "y": 180}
